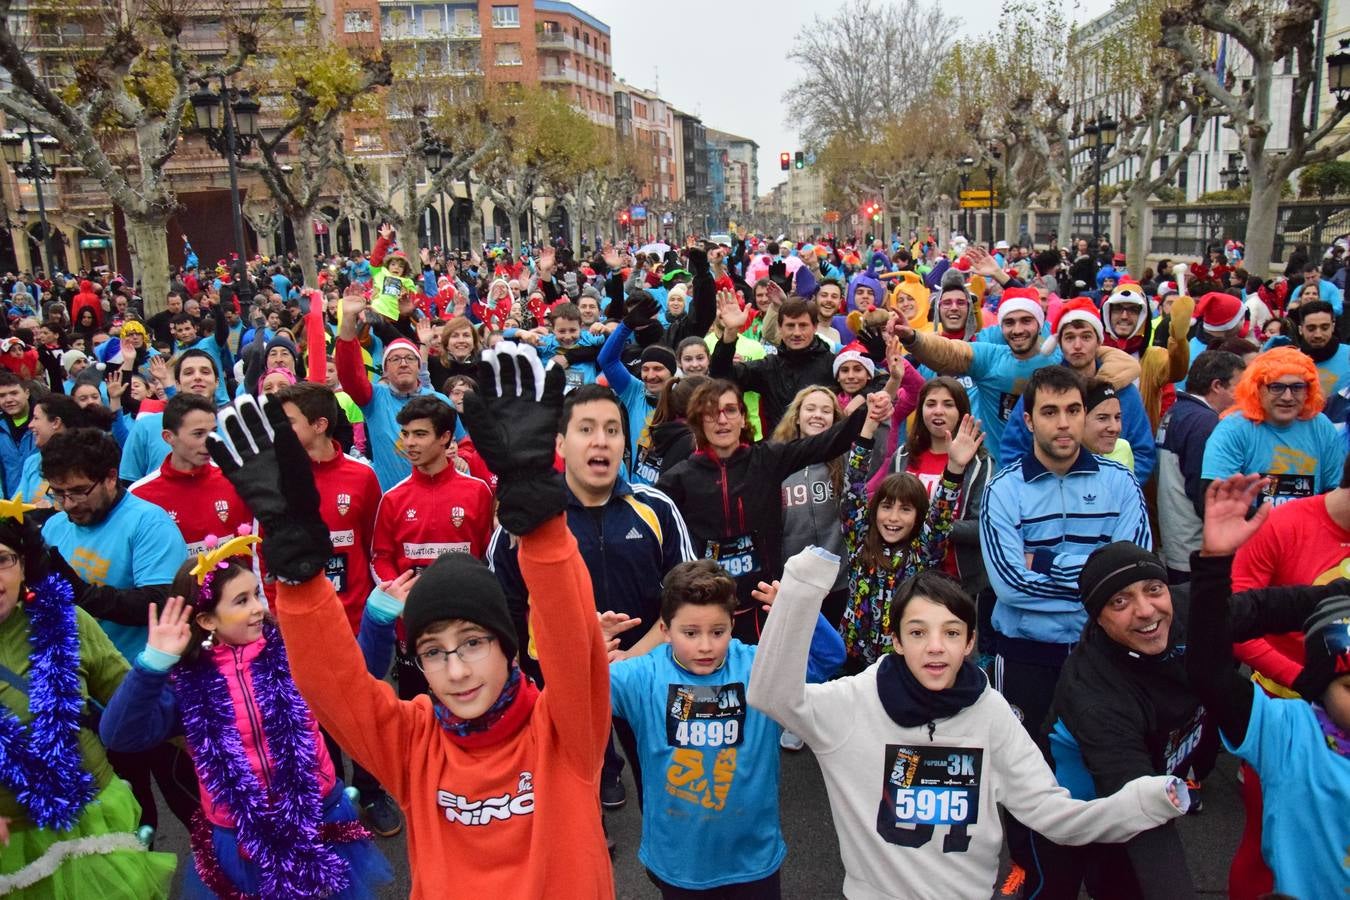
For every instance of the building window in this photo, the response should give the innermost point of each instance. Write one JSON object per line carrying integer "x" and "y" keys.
{"x": 506, "y": 17}
{"x": 358, "y": 22}
{"x": 509, "y": 55}
{"x": 368, "y": 140}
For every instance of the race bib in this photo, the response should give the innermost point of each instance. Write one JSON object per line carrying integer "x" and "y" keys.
{"x": 705, "y": 716}
{"x": 335, "y": 570}
{"x": 1006, "y": 402}
{"x": 1283, "y": 488}
{"x": 573, "y": 378}
{"x": 737, "y": 555}
{"x": 929, "y": 785}
{"x": 648, "y": 467}
{"x": 1182, "y": 742}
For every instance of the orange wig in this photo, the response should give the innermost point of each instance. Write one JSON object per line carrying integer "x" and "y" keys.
{"x": 1268, "y": 367}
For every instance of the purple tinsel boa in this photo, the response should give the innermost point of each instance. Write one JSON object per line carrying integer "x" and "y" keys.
{"x": 278, "y": 832}
{"x": 43, "y": 765}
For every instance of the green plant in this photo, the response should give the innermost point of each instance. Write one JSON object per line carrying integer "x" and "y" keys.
{"x": 1325, "y": 179}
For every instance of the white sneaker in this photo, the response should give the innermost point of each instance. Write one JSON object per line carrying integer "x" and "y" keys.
{"x": 789, "y": 741}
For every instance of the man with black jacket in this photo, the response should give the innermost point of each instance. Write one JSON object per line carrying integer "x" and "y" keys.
{"x": 802, "y": 359}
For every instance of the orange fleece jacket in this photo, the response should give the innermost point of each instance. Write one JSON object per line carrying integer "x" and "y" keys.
{"x": 472, "y": 814}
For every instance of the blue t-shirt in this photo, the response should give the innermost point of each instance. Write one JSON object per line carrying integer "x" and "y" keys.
{"x": 31, "y": 479}
{"x": 145, "y": 448}
{"x": 135, "y": 545}
{"x": 1301, "y": 459}
{"x": 1000, "y": 377}
{"x": 710, "y": 798}
{"x": 1334, "y": 373}
{"x": 1304, "y": 841}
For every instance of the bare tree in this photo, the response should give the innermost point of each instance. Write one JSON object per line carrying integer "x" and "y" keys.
{"x": 133, "y": 76}
{"x": 867, "y": 58}
{"x": 1268, "y": 31}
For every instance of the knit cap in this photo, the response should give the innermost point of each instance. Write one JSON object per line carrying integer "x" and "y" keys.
{"x": 659, "y": 353}
{"x": 458, "y": 586}
{"x": 1326, "y": 648}
{"x": 398, "y": 344}
{"x": 1113, "y": 567}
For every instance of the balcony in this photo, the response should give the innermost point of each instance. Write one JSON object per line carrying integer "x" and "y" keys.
{"x": 561, "y": 76}
{"x": 555, "y": 41}
{"x": 412, "y": 32}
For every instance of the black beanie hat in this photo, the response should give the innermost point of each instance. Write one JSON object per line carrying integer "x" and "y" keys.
{"x": 1326, "y": 648}
{"x": 659, "y": 353}
{"x": 458, "y": 586}
{"x": 1113, "y": 567}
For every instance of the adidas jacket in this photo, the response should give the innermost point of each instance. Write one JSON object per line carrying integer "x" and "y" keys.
{"x": 628, "y": 546}
{"x": 1060, "y": 521}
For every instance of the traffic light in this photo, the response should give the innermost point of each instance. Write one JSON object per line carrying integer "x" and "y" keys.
{"x": 785, "y": 160}
{"x": 801, "y": 160}
{"x": 623, "y": 218}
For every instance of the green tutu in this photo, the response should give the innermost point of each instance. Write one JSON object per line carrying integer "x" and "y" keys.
{"x": 100, "y": 857}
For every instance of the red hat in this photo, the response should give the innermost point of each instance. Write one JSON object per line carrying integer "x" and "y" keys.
{"x": 398, "y": 344}
{"x": 962, "y": 265}
{"x": 1021, "y": 299}
{"x": 1220, "y": 312}
{"x": 1079, "y": 309}
{"x": 854, "y": 352}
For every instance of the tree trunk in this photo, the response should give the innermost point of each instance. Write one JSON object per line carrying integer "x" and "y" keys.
{"x": 150, "y": 254}
{"x": 574, "y": 233}
{"x": 1136, "y": 211}
{"x": 1262, "y": 216}
{"x": 1065, "y": 227}
{"x": 1012, "y": 218}
{"x": 514, "y": 218}
{"x": 302, "y": 224}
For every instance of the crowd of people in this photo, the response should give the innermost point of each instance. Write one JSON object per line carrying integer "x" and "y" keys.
{"x": 1014, "y": 540}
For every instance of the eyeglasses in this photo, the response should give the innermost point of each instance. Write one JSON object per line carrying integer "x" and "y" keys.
{"x": 8, "y": 560}
{"x": 71, "y": 494}
{"x": 434, "y": 659}
{"x": 402, "y": 361}
{"x": 951, "y": 304}
{"x": 1278, "y": 388}
{"x": 728, "y": 412}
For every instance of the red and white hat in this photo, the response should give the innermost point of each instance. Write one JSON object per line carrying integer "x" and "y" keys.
{"x": 1079, "y": 309}
{"x": 1219, "y": 312}
{"x": 1166, "y": 289}
{"x": 1021, "y": 299}
{"x": 398, "y": 344}
{"x": 855, "y": 352}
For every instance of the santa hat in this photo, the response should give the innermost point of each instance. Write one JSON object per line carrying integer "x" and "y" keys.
{"x": 1166, "y": 289}
{"x": 855, "y": 352}
{"x": 1020, "y": 299}
{"x": 1079, "y": 309}
{"x": 1219, "y": 312}
{"x": 398, "y": 344}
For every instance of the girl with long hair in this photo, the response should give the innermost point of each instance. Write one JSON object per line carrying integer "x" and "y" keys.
{"x": 276, "y": 821}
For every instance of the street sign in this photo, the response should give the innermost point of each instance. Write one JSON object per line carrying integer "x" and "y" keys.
{"x": 974, "y": 194}
{"x": 832, "y": 216}
{"x": 638, "y": 213}
{"x": 667, "y": 218}
{"x": 981, "y": 204}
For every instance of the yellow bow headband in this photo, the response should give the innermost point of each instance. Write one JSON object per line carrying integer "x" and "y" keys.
{"x": 208, "y": 561}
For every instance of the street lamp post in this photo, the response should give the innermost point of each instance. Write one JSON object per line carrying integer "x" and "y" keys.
{"x": 963, "y": 167}
{"x": 36, "y": 166}
{"x": 1103, "y": 131}
{"x": 228, "y": 120}
{"x": 1338, "y": 74}
{"x": 990, "y": 171}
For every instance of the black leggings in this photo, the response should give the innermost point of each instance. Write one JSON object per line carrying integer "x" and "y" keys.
{"x": 169, "y": 766}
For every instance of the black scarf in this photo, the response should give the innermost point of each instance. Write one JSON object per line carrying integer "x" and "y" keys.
{"x": 910, "y": 704}
{"x": 1320, "y": 354}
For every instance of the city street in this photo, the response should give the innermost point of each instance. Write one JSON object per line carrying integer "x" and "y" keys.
{"x": 813, "y": 868}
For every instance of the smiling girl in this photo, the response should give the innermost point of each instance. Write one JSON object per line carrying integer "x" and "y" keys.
{"x": 275, "y": 819}
{"x": 895, "y": 534}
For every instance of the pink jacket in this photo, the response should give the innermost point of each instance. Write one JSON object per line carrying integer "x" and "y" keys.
{"x": 235, "y": 663}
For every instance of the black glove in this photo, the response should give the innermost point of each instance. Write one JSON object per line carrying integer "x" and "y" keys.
{"x": 57, "y": 565}
{"x": 642, "y": 311}
{"x": 874, "y": 342}
{"x": 271, "y": 471}
{"x": 513, "y": 420}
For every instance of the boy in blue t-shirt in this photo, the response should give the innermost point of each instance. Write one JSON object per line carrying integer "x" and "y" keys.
{"x": 712, "y": 820}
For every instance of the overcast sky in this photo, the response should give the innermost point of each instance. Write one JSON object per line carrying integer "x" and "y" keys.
{"x": 734, "y": 73}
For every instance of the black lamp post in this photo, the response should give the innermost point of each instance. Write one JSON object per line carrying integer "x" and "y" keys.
{"x": 963, "y": 167}
{"x": 1103, "y": 131}
{"x": 228, "y": 120}
{"x": 1338, "y": 74}
{"x": 990, "y": 171}
{"x": 1234, "y": 175}
{"x": 36, "y": 165}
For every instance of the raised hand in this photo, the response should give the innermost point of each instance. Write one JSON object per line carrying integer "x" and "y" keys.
{"x": 170, "y": 631}
{"x": 264, "y": 460}
{"x": 982, "y": 261}
{"x": 423, "y": 327}
{"x": 879, "y": 406}
{"x": 642, "y": 312}
{"x": 159, "y": 371}
{"x": 613, "y": 624}
{"x": 116, "y": 384}
{"x": 963, "y": 445}
{"x": 775, "y": 293}
{"x": 399, "y": 588}
{"x": 513, "y": 420}
{"x": 1227, "y": 503}
{"x": 766, "y": 593}
{"x": 731, "y": 313}
{"x": 386, "y": 231}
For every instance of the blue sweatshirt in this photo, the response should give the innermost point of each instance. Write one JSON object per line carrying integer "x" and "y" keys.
{"x": 1060, "y": 520}
{"x": 1134, "y": 428}
{"x": 632, "y": 392}
{"x": 710, "y": 800}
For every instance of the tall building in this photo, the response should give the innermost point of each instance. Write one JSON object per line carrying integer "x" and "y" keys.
{"x": 741, "y": 182}
{"x": 647, "y": 123}
{"x": 691, "y": 166}
{"x": 1092, "y": 92}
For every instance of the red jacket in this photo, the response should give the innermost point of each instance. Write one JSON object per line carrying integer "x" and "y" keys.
{"x": 86, "y": 298}
{"x": 425, "y": 516}
{"x": 201, "y": 502}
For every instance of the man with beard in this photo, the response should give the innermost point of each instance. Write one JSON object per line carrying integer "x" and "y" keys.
{"x": 1317, "y": 338}
{"x": 829, "y": 300}
{"x": 999, "y": 370}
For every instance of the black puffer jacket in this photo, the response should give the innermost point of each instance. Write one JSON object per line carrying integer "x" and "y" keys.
{"x": 740, "y": 497}
{"x": 777, "y": 377}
